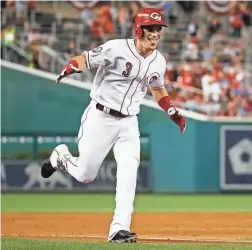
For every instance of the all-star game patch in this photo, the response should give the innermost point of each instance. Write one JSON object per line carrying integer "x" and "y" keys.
{"x": 97, "y": 51}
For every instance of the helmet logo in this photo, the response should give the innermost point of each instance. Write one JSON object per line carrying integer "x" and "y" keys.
{"x": 155, "y": 16}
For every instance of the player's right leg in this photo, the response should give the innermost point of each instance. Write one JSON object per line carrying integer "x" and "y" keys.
{"x": 96, "y": 137}
{"x": 127, "y": 156}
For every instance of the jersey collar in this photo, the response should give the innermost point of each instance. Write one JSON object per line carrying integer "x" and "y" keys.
{"x": 132, "y": 48}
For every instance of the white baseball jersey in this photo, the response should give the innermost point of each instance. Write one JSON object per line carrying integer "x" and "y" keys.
{"x": 123, "y": 75}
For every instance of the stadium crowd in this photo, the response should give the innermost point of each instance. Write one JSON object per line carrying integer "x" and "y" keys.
{"x": 210, "y": 77}
{"x": 213, "y": 79}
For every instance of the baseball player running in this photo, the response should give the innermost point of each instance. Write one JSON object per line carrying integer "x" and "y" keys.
{"x": 126, "y": 69}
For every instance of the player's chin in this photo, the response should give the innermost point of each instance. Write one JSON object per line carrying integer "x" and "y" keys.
{"x": 153, "y": 46}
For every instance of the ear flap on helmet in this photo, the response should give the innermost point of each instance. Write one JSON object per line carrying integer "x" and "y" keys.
{"x": 139, "y": 32}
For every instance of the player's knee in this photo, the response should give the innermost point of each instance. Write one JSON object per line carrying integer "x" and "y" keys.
{"x": 86, "y": 176}
{"x": 130, "y": 162}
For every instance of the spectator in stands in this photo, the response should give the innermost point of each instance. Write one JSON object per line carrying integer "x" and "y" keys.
{"x": 191, "y": 52}
{"x": 206, "y": 53}
{"x": 170, "y": 12}
{"x": 103, "y": 25}
{"x": 171, "y": 73}
{"x": 214, "y": 26}
{"x": 219, "y": 36}
{"x": 71, "y": 49}
{"x": 21, "y": 9}
{"x": 193, "y": 28}
{"x": 8, "y": 34}
{"x": 124, "y": 21}
{"x": 8, "y": 38}
{"x": 87, "y": 18}
{"x": 31, "y": 6}
{"x": 225, "y": 96}
{"x": 206, "y": 82}
{"x": 245, "y": 108}
{"x": 193, "y": 102}
{"x": 3, "y": 13}
{"x": 69, "y": 29}
{"x": 236, "y": 21}
{"x": 34, "y": 41}
{"x": 174, "y": 52}
{"x": 247, "y": 21}
{"x": 51, "y": 39}
{"x": 35, "y": 59}
{"x": 181, "y": 26}
{"x": 232, "y": 107}
{"x": 35, "y": 37}
{"x": 223, "y": 81}
{"x": 199, "y": 69}
{"x": 26, "y": 26}
{"x": 228, "y": 52}
{"x": 133, "y": 10}
{"x": 9, "y": 11}
{"x": 186, "y": 78}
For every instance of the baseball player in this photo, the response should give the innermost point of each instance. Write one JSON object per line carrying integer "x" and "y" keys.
{"x": 126, "y": 69}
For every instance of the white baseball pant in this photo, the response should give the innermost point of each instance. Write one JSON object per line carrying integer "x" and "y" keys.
{"x": 98, "y": 133}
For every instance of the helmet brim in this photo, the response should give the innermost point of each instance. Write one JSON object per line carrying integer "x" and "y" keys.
{"x": 163, "y": 25}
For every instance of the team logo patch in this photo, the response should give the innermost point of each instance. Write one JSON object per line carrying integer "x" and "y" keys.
{"x": 153, "y": 79}
{"x": 155, "y": 16}
{"x": 97, "y": 51}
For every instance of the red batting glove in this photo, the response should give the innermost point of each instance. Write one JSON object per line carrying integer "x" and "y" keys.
{"x": 70, "y": 68}
{"x": 177, "y": 118}
{"x": 165, "y": 103}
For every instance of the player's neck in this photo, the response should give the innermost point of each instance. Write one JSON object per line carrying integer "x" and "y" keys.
{"x": 143, "y": 51}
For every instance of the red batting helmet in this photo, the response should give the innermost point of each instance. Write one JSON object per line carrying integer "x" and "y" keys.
{"x": 146, "y": 17}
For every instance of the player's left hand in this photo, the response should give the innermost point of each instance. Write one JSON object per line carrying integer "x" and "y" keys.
{"x": 177, "y": 118}
{"x": 67, "y": 70}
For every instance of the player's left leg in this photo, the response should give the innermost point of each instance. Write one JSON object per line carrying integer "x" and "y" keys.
{"x": 97, "y": 135}
{"x": 127, "y": 155}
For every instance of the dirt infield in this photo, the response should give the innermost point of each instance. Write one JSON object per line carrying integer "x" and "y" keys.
{"x": 150, "y": 227}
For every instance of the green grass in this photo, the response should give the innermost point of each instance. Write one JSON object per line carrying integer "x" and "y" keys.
{"x": 143, "y": 203}
{"x": 24, "y": 244}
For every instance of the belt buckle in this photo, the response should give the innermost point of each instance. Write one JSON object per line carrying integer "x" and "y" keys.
{"x": 106, "y": 110}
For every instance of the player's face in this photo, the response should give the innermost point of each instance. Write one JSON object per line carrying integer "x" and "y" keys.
{"x": 152, "y": 35}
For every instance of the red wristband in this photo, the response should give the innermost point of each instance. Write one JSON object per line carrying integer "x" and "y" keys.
{"x": 74, "y": 63}
{"x": 165, "y": 103}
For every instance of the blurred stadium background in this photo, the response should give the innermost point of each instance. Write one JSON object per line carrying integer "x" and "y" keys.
{"x": 208, "y": 47}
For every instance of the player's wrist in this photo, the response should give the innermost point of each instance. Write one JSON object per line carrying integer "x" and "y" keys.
{"x": 165, "y": 104}
{"x": 74, "y": 63}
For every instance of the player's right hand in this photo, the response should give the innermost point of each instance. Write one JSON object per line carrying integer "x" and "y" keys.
{"x": 70, "y": 68}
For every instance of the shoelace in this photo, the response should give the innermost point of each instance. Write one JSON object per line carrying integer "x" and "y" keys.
{"x": 62, "y": 165}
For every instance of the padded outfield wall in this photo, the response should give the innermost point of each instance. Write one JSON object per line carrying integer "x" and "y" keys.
{"x": 211, "y": 156}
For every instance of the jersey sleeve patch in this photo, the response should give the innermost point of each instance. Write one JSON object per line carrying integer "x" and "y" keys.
{"x": 98, "y": 55}
{"x": 155, "y": 80}
{"x": 96, "y": 51}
